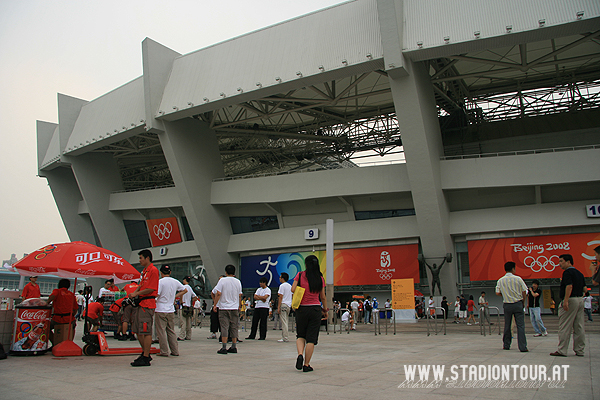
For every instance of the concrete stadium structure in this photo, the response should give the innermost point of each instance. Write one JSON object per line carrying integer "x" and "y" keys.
{"x": 495, "y": 105}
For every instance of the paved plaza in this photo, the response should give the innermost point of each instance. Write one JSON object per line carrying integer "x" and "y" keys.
{"x": 358, "y": 365}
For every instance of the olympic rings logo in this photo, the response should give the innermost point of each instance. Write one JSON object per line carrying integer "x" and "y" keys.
{"x": 45, "y": 251}
{"x": 24, "y": 329}
{"x": 386, "y": 276}
{"x": 163, "y": 231}
{"x": 536, "y": 265}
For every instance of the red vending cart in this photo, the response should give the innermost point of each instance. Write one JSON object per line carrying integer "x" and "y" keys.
{"x": 32, "y": 327}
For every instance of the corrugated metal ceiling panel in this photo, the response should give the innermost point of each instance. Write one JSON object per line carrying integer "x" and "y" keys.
{"x": 326, "y": 38}
{"x": 115, "y": 112}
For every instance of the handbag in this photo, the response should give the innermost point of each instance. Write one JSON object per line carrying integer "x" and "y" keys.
{"x": 187, "y": 311}
{"x": 298, "y": 295}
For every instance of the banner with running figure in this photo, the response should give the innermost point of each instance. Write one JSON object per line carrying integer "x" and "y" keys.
{"x": 271, "y": 266}
{"x": 536, "y": 257}
{"x": 361, "y": 266}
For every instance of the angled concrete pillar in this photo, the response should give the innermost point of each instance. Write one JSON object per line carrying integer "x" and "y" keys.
{"x": 67, "y": 197}
{"x": 157, "y": 62}
{"x": 417, "y": 116}
{"x": 98, "y": 176}
{"x": 192, "y": 152}
{"x": 68, "y": 112}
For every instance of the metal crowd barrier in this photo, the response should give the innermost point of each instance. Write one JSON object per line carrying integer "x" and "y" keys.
{"x": 482, "y": 321}
{"x": 433, "y": 321}
{"x": 376, "y": 320}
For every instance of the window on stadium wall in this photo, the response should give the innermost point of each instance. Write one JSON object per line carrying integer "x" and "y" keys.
{"x": 137, "y": 233}
{"x": 186, "y": 229}
{"x": 462, "y": 255}
{"x": 362, "y": 215}
{"x": 253, "y": 224}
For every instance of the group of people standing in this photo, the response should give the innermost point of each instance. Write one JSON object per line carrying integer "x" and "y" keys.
{"x": 514, "y": 292}
{"x": 227, "y": 298}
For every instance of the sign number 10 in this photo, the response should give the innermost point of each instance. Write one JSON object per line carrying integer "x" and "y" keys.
{"x": 593, "y": 210}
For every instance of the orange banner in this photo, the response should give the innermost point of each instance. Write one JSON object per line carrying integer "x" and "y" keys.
{"x": 164, "y": 231}
{"x": 375, "y": 265}
{"x": 536, "y": 256}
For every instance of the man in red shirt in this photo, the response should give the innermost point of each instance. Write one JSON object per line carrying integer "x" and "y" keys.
{"x": 145, "y": 294}
{"x": 130, "y": 287}
{"x": 32, "y": 289}
{"x": 113, "y": 287}
{"x": 127, "y": 311}
{"x": 94, "y": 313}
{"x": 116, "y": 310}
{"x": 64, "y": 307}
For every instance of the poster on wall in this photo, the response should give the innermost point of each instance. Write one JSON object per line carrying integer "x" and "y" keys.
{"x": 536, "y": 257}
{"x": 271, "y": 266}
{"x": 375, "y": 265}
{"x": 362, "y": 266}
{"x": 163, "y": 231}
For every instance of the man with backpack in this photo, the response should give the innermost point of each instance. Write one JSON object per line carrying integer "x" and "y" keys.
{"x": 368, "y": 305}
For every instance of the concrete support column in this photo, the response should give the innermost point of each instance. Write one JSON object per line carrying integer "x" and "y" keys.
{"x": 67, "y": 197}
{"x": 192, "y": 152}
{"x": 417, "y": 116}
{"x": 97, "y": 177}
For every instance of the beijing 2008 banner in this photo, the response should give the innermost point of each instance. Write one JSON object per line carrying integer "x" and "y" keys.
{"x": 536, "y": 257}
{"x": 362, "y": 266}
{"x": 164, "y": 231}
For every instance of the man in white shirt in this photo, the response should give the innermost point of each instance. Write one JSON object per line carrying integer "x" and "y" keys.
{"x": 285, "y": 303}
{"x": 80, "y": 303}
{"x": 227, "y": 300}
{"x": 168, "y": 290}
{"x": 354, "y": 307}
{"x": 187, "y": 311}
{"x": 483, "y": 304}
{"x": 261, "y": 310}
{"x": 513, "y": 290}
{"x": 106, "y": 289}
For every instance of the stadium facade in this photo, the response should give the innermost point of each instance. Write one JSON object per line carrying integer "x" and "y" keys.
{"x": 239, "y": 152}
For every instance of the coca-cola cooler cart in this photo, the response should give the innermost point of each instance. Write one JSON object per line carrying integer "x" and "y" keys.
{"x": 32, "y": 327}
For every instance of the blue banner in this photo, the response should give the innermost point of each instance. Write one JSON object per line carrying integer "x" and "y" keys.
{"x": 271, "y": 266}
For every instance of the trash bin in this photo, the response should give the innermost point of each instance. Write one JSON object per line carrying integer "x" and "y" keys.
{"x": 32, "y": 327}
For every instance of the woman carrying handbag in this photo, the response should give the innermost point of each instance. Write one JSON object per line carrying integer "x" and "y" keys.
{"x": 310, "y": 311}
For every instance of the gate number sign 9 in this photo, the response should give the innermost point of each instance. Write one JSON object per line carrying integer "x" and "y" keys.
{"x": 310, "y": 234}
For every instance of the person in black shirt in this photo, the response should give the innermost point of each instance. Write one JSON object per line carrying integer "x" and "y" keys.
{"x": 570, "y": 311}
{"x": 534, "y": 309}
{"x": 445, "y": 307}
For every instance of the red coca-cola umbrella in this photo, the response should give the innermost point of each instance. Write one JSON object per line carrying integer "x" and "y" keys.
{"x": 75, "y": 260}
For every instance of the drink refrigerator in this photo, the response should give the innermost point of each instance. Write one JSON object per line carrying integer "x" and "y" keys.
{"x": 32, "y": 327}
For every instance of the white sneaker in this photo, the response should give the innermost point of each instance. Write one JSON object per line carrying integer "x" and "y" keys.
{"x": 281, "y": 340}
{"x": 468, "y": 323}
{"x": 545, "y": 333}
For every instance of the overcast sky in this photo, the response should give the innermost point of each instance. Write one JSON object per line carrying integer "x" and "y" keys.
{"x": 85, "y": 49}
